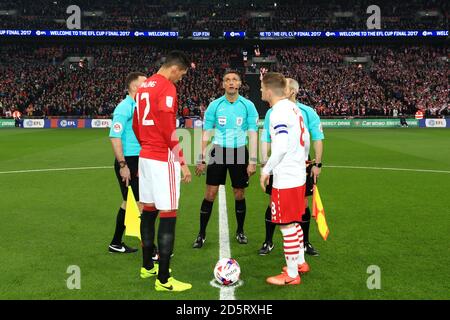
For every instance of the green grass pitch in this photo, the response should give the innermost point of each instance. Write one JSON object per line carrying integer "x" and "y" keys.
{"x": 397, "y": 220}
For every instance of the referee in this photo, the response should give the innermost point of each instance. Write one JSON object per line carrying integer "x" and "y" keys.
{"x": 232, "y": 116}
{"x": 126, "y": 150}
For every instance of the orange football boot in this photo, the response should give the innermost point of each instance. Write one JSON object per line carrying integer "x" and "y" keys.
{"x": 302, "y": 268}
{"x": 283, "y": 279}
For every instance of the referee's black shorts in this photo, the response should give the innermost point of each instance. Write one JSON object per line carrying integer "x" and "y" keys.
{"x": 309, "y": 183}
{"x": 234, "y": 160}
{"x": 133, "y": 163}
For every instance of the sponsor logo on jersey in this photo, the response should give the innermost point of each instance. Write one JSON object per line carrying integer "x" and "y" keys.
{"x": 169, "y": 102}
{"x": 117, "y": 127}
{"x": 239, "y": 121}
{"x": 222, "y": 120}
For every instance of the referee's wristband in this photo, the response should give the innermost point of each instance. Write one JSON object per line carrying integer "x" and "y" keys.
{"x": 318, "y": 164}
{"x": 122, "y": 164}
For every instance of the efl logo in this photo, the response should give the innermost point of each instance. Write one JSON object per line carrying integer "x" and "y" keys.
{"x": 435, "y": 123}
{"x": 99, "y": 123}
{"x": 37, "y": 123}
{"x": 68, "y": 123}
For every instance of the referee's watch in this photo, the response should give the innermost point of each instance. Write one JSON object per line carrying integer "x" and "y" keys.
{"x": 318, "y": 165}
{"x": 201, "y": 159}
{"x": 122, "y": 164}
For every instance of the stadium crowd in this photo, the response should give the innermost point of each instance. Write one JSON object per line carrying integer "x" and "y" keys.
{"x": 397, "y": 80}
{"x": 219, "y": 16}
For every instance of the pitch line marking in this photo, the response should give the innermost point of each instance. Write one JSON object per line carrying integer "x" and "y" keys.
{"x": 215, "y": 284}
{"x": 389, "y": 169}
{"x": 328, "y": 166}
{"x": 55, "y": 169}
{"x": 226, "y": 293}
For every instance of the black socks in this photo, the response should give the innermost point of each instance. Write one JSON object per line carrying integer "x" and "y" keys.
{"x": 270, "y": 227}
{"x": 120, "y": 227}
{"x": 240, "y": 214}
{"x": 166, "y": 239}
{"x": 305, "y": 225}
{"x": 148, "y": 219}
{"x": 205, "y": 214}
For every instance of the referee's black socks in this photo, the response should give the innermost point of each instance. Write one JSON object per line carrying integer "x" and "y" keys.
{"x": 120, "y": 227}
{"x": 270, "y": 227}
{"x": 241, "y": 209}
{"x": 205, "y": 214}
{"x": 305, "y": 224}
{"x": 148, "y": 218}
{"x": 166, "y": 239}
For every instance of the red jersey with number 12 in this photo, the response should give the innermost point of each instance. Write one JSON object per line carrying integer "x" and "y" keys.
{"x": 154, "y": 120}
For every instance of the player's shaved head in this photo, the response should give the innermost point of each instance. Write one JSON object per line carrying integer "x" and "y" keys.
{"x": 275, "y": 82}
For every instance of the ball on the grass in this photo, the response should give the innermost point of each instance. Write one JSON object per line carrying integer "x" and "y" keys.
{"x": 227, "y": 271}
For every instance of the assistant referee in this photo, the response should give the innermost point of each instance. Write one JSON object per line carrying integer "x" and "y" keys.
{"x": 232, "y": 116}
{"x": 126, "y": 150}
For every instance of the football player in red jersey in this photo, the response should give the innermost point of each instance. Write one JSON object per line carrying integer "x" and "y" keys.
{"x": 161, "y": 164}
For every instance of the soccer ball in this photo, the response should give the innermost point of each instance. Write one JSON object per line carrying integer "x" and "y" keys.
{"x": 227, "y": 271}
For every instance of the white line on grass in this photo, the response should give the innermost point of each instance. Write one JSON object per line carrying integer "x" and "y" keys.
{"x": 391, "y": 169}
{"x": 226, "y": 293}
{"x": 328, "y": 166}
{"x": 56, "y": 169}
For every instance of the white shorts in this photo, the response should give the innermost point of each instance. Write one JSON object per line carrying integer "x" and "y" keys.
{"x": 159, "y": 183}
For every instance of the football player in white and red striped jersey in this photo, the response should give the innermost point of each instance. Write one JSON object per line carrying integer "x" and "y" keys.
{"x": 287, "y": 164}
{"x": 160, "y": 162}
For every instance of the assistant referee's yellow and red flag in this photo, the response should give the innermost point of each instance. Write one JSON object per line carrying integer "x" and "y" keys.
{"x": 318, "y": 213}
{"x": 132, "y": 216}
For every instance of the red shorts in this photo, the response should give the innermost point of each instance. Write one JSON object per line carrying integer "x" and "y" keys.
{"x": 288, "y": 205}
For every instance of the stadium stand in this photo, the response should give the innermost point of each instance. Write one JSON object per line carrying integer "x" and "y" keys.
{"x": 218, "y": 16}
{"x": 40, "y": 82}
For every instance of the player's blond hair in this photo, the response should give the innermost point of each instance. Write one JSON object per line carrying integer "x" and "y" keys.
{"x": 276, "y": 82}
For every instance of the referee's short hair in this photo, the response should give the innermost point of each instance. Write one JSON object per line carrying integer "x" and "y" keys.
{"x": 293, "y": 84}
{"x": 276, "y": 82}
{"x": 132, "y": 77}
{"x": 176, "y": 58}
{"x": 229, "y": 71}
